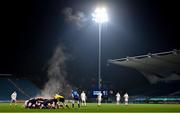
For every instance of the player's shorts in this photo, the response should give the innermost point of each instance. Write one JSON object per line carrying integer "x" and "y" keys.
{"x": 13, "y": 100}
{"x": 118, "y": 99}
{"x": 99, "y": 99}
{"x": 45, "y": 103}
{"x": 83, "y": 99}
{"x": 62, "y": 100}
{"x": 76, "y": 98}
{"x": 126, "y": 100}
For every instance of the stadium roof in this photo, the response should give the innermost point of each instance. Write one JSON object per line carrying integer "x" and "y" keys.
{"x": 164, "y": 66}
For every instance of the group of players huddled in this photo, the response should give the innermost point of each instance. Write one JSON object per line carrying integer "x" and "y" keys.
{"x": 43, "y": 103}
{"x": 56, "y": 102}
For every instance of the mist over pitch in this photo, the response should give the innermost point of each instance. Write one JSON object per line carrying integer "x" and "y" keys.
{"x": 57, "y": 74}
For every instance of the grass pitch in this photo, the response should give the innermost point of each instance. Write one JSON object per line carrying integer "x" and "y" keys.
{"x": 92, "y": 107}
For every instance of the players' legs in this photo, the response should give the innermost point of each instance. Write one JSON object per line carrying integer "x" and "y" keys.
{"x": 13, "y": 101}
{"x": 117, "y": 101}
{"x": 66, "y": 105}
{"x": 126, "y": 102}
{"x": 30, "y": 105}
{"x": 82, "y": 102}
{"x": 42, "y": 106}
{"x": 73, "y": 103}
{"x": 85, "y": 102}
{"x": 54, "y": 105}
{"x": 78, "y": 103}
{"x": 63, "y": 102}
{"x": 99, "y": 101}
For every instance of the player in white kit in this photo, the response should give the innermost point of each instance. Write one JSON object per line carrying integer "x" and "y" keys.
{"x": 99, "y": 98}
{"x": 13, "y": 97}
{"x": 118, "y": 97}
{"x": 126, "y": 98}
{"x": 83, "y": 98}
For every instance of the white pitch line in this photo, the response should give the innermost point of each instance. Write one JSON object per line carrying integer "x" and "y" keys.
{"x": 91, "y": 112}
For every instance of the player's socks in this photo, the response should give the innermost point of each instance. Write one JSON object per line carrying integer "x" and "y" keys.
{"x": 78, "y": 105}
{"x": 67, "y": 106}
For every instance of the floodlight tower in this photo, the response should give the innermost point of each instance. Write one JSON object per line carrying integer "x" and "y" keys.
{"x": 100, "y": 16}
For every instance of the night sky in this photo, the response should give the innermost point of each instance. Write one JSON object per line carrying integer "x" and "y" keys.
{"x": 32, "y": 29}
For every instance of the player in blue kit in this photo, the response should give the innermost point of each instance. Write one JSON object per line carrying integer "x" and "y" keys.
{"x": 75, "y": 97}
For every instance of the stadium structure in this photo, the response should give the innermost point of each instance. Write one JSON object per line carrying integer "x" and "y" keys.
{"x": 162, "y": 70}
{"x": 25, "y": 88}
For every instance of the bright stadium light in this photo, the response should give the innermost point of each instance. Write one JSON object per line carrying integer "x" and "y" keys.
{"x": 100, "y": 16}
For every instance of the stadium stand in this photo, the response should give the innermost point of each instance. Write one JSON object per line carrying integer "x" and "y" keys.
{"x": 162, "y": 70}
{"x": 24, "y": 88}
{"x": 159, "y": 89}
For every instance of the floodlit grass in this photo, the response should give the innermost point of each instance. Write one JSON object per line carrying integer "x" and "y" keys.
{"x": 92, "y": 107}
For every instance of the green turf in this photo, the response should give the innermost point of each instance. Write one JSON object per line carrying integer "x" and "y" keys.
{"x": 92, "y": 107}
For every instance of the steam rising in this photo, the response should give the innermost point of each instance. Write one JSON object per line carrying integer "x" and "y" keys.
{"x": 57, "y": 75}
{"x": 78, "y": 18}
{"x": 56, "y": 71}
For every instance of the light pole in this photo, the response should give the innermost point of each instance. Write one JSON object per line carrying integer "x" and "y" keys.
{"x": 100, "y": 16}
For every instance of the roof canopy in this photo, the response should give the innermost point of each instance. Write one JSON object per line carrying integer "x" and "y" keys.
{"x": 164, "y": 66}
